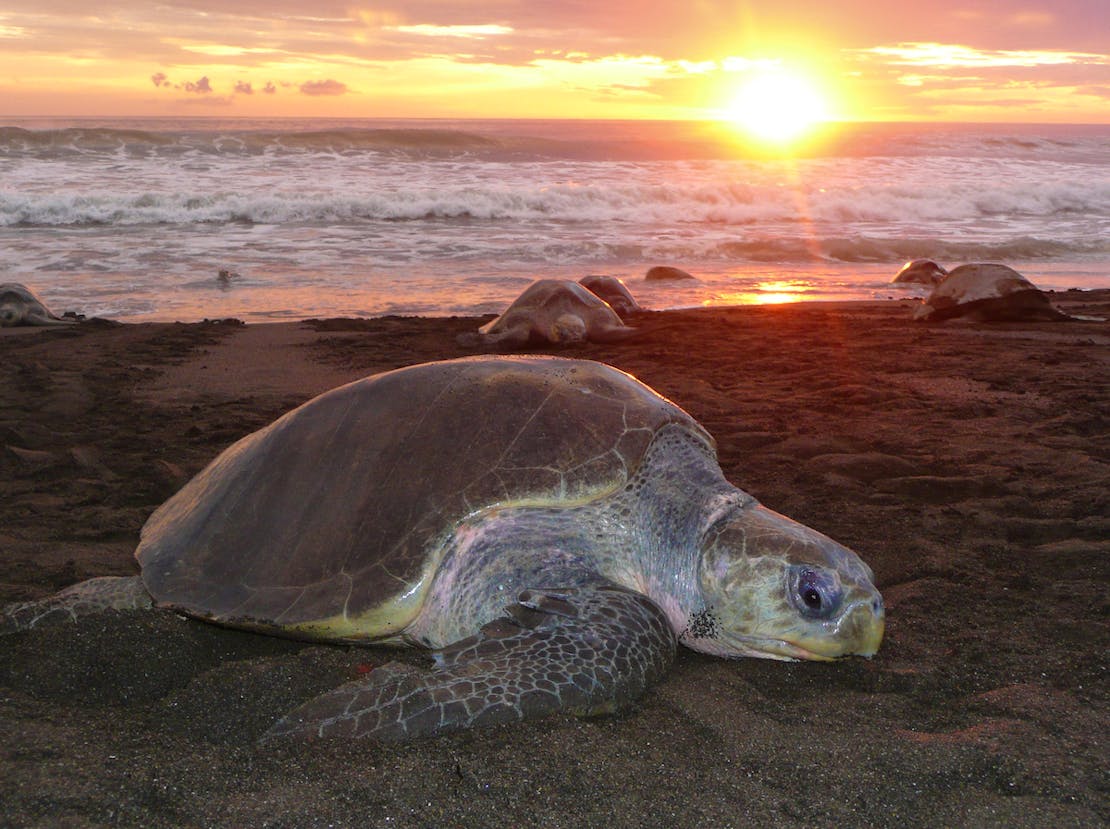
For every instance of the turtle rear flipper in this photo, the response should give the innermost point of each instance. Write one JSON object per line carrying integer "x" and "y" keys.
{"x": 582, "y": 650}
{"x": 83, "y": 599}
{"x": 45, "y": 320}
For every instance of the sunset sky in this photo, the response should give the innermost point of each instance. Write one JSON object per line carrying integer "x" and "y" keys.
{"x": 959, "y": 60}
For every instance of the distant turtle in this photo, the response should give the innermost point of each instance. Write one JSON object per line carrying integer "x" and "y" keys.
{"x": 552, "y": 312}
{"x": 663, "y": 273}
{"x": 551, "y": 527}
{"x": 993, "y": 293}
{"x": 19, "y": 305}
{"x": 920, "y": 271}
{"x": 612, "y": 290}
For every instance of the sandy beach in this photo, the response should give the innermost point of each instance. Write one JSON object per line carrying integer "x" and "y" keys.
{"x": 967, "y": 463}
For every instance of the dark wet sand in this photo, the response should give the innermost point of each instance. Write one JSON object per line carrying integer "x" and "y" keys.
{"x": 968, "y": 463}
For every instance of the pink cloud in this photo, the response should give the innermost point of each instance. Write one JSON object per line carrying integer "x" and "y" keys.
{"x": 201, "y": 87}
{"x": 328, "y": 87}
{"x": 243, "y": 88}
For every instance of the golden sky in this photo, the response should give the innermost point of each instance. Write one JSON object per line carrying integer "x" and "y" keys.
{"x": 952, "y": 60}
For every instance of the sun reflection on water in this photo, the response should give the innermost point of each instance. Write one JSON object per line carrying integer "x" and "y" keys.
{"x": 763, "y": 293}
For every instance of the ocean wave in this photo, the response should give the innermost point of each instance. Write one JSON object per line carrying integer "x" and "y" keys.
{"x": 134, "y": 143}
{"x": 708, "y": 204}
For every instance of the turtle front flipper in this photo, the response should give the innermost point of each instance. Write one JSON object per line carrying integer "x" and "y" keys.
{"x": 581, "y": 650}
{"x": 82, "y": 599}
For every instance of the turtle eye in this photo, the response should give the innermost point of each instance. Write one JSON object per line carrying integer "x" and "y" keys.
{"x": 816, "y": 593}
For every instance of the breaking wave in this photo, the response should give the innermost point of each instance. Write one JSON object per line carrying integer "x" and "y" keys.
{"x": 490, "y": 198}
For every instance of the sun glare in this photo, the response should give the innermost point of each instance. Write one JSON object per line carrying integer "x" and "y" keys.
{"x": 774, "y": 292}
{"x": 777, "y": 106}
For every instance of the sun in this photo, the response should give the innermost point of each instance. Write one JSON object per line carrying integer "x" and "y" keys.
{"x": 777, "y": 106}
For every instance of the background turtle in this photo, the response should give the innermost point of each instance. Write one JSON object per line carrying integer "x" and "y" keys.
{"x": 613, "y": 291}
{"x": 920, "y": 272}
{"x": 987, "y": 292}
{"x": 551, "y": 312}
{"x": 664, "y": 273}
{"x": 20, "y": 306}
{"x": 550, "y": 527}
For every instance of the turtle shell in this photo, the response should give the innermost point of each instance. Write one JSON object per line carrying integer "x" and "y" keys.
{"x": 986, "y": 291}
{"x": 922, "y": 271}
{"x": 16, "y": 299}
{"x": 546, "y": 299}
{"x": 330, "y": 522}
{"x": 613, "y": 291}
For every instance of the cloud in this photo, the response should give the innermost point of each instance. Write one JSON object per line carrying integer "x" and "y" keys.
{"x": 269, "y": 88}
{"x": 1095, "y": 91}
{"x": 12, "y": 31}
{"x": 474, "y": 31}
{"x": 952, "y": 55}
{"x": 243, "y": 88}
{"x": 201, "y": 87}
{"x": 1032, "y": 18}
{"x": 220, "y": 50}
{"x": 328, "y": 87}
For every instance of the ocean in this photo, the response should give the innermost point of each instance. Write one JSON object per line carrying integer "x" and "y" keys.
{"x": 133, "y": 219}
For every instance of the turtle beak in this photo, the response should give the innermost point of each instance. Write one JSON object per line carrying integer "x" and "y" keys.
{"x": 862, "y": 625}
{"x": 857, "y": 632}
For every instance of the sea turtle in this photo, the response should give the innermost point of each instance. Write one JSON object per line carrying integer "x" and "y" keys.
{"x": 552, "y": 312}
{"x": 612, "y": 290}
{"x": 550, "y": 527}
{"x": 993, "y": 293}
{"x": 20, "y": 306}
{"x": 921, "y": 272}
{"x": 666, "y": 273}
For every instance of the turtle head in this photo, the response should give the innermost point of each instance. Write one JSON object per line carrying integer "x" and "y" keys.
{"x": 568, "y": 328}
{"x": 777, "y": 589}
